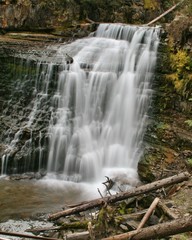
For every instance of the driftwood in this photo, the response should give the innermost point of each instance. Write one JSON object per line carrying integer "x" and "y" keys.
{"x": 148, "y": 213}
{"x": 166, "y": 210}
{"x": 123, "y": 195}
{"x": 45, "y": 229}
{"x": 72, "y": 225}
{"x": 109, "y": 183}
{"x": 157, "y": 231}
{"x": 77, "y": 236}
{"x": 4, "y": 238}
{"x": 75, "y": 204}
{"x": 165, "y": 13}
{"x": 135, "y": 216}
{"x": 23, "y": 235}
{"x": 71, "y": 236}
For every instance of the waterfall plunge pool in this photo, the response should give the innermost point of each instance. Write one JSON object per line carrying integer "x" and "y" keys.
{"x": 28, "y": 199}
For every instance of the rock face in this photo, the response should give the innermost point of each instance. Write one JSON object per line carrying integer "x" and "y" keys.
{"x": 20, "y": 142}
{"x": 58, "y": 15}
{"x": 168, "y": 139}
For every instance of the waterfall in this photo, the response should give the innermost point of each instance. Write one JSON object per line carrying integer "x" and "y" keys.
{"x": 92, "y": 113}
{"x": 99, "y": 110}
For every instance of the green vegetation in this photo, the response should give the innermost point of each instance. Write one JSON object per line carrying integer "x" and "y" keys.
{"x": 151, "y": 4}
{"x": 181, "y": 237}
{"x": 189, "y": 123}
{"x": 181, "y": 67}
{"x": 189, "y": 160}
{"x": 163, "y": 126}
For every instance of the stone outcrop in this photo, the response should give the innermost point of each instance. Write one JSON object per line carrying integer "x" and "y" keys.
{"x": 57, "y": 16}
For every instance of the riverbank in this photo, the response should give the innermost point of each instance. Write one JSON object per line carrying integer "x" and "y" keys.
{"x": 107, "y": 220}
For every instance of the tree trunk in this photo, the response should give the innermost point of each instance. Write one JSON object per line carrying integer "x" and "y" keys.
{"x": 123, "y": 195}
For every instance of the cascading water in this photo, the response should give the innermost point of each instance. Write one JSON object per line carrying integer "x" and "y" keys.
{"x": 101, "y": 103}
{"x": 98, "y": 113}
{"x": 34, "y": 72}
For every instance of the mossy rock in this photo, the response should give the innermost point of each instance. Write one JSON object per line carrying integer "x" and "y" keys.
{"x": 151, "y": 4}
{"x": 148, "y": 166}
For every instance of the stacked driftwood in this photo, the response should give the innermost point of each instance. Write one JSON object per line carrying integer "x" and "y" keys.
{"x": 119, "y": 216}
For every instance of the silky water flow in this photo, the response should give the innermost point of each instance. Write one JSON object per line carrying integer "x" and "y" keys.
{"x": 101, "y": 104}
{"x": 99, "y": 110}
{"x": 98, "y": 116}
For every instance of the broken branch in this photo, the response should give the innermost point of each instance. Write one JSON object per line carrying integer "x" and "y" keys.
{"x": 148, "y": 213}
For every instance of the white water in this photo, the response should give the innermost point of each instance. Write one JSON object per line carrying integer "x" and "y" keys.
{"x": 101, "y": 103}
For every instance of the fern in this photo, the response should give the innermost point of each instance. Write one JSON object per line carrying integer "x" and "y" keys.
{"x": 189, "y": 122}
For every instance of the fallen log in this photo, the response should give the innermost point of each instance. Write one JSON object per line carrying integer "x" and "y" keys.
{"x": 77, "y": 236}
{"x": 148, "y": 213}
{"x": 166, "y": 210}
{"x": 123, "y": 195}
{"x": 46, "y": 229}
{"x": 165, "y": 13}
{"x": 23, "y": 235}
{"x": 70, "y": 236}
{"x": 157, "y": 231}
{"x": 73, "y": 225}
{"x": 75, "y": 204}
{"x": 135, "y": 216}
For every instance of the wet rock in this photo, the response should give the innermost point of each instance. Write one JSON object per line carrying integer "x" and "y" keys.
{"x": 123, "y": 227}
{"x": 3, "y": 147}
{"x": 153, "y": 220}
{"x": 159, "y": 162}
{"x": 147, "y": 167}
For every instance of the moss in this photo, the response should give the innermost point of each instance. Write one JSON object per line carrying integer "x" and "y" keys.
{"x": 151, "y": 4}
{"x": 189, "y": 160}
{"x": 145, "y": 172}
{"x": 187, "y": 8}
{"x": 105, "y": 220}
{"x": 163, "y": 126}
{"x": 122, "y": 209}
{"x": 75, "y": 225}
{"x": 183, "y": 236}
